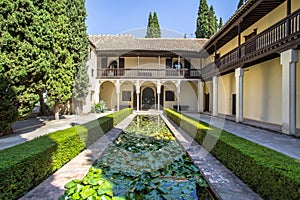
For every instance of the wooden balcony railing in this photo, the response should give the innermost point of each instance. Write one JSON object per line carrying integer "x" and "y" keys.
{"x": 278, "y": 36}
{"x": 148, "y": 73}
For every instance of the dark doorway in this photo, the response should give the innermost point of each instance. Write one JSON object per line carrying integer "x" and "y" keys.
{"x": 206, "y": 102}
{"x": 161, "y": 97}
{"x": 233, "y": 104}
{"x": 148, "y": 100}
{"x": 134, "y": 100}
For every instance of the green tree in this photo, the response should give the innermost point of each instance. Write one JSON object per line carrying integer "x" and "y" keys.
{"x": 241, "y": 2}
{"x": 153, "y": 28}
{"x": 60, "y": 76}
{"x": 220, "y": 22}
{"x": 202, "y": 25}
{"x": 156, "y": 33}
{"x": 8, "y": 105}
{"x": 149, "y": 32}
{"x": 23, "y": 60}
{"x": 78, "y": 47}
{"x": 212, "y": 22}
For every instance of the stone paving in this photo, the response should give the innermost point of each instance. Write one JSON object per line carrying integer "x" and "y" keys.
{"x": 31, "y": 128}
{"x": 53, "y": 187}
{"x": 285, "y": 144}
{"x": 222, "y": 181}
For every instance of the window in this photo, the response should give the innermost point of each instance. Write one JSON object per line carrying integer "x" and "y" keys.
{"x": 113, "y": 65}
{"x": 177, "y": 65}
{"x": 92, "y": 72}
{"x": 126, "y": 95}
{"x": 170, "y": 96}
{"x": 169, "y": 63}
{"x": 92, "y": 95}
{"x": 103, "y": 62}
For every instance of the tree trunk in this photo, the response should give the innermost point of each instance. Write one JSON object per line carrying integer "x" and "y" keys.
{"x": 7, "y": 131}
{"x": 43, "y": 109}
{"x": 56, "y": 111}
{"x": 79, "y": 107}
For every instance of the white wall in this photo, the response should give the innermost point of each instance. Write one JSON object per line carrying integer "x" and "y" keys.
{"x": 225, "y": 90}
{"x": 188, "y": 95}
{"x": 94, "y": 84}
{"x": 170, "y": 87}
{"x": 127, "y": 86}
{"x": 263, "y": 92}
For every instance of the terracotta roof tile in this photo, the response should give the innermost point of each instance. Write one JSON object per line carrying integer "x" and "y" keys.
{"x": 128, "y": 42}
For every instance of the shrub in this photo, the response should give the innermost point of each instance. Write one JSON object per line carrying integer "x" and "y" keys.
{"x": 26, "y": 165}
{"x": 271, "y": 174}
{"x": 99, "y": 107}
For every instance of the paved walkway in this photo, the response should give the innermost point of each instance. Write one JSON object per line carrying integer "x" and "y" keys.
{"x": 285, "y": 144}
{"x": 31, "y": 128}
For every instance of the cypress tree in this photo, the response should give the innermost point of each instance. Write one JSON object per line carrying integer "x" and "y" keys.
{"x": 202, "y": 25}
{"x": 153, "y": 28}
{"x": 60, "y": 76}
{"x": 220, "y": 22}
{"x": 149, "y": 33}
{"x": 23, "y": 59}
{"x": 8, "y": 105}
{"x": 156, "y": 33}
{"x": 241, "y": 2}
{"x": 78, "y": 47}
{"x": 212, "y": 22}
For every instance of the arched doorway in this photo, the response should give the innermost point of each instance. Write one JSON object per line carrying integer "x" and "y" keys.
{"x": 108, "y": 94}
{"x": 148, "y": 98}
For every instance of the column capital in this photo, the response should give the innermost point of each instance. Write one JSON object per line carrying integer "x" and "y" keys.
{"x": 288, "y": 56}
{"x": 239, "y": 72}
{"x": 215, "y": 79}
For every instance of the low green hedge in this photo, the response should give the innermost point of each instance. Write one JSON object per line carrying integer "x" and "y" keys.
{"x": 24, "y": 166}
{"x": 271, "y": 174}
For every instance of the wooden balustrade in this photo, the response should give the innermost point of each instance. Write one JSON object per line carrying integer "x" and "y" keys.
{"x": 277, "y": 36}
{"x": 148, "y": 73}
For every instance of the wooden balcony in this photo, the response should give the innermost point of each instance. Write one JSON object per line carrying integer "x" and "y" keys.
{"x": 148, "y": 73}
{"x": 265, "y": 46}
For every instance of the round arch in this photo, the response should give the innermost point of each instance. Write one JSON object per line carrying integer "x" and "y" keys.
{"x": 148, "y": 98}
{"x": 108, "y": 94}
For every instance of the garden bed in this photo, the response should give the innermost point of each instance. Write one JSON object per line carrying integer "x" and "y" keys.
{"x": 26, "y": 165}
{"x": 144, "y": 162}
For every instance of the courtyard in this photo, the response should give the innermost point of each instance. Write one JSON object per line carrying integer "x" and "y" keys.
{"x": 221, "y": 181}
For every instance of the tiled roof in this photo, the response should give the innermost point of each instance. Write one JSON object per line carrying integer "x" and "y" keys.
{"x": 128, "y": 42}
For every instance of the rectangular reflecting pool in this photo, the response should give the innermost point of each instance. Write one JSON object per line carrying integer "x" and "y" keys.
{"x": 144, "y": 162}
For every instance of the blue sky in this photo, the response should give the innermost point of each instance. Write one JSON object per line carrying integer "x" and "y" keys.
{"x": 176, "y": 17}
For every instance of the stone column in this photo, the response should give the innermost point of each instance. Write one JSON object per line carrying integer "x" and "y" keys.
{"x": 118, "y": 94}
{"x": 97, "y": 92}
{"x": 137, "y": 86}
{"x": 158, "y": 94}
{"x": 178, "y": 95}
{"x": 288, "y": 60}
{"x": 200, "y": 96}
{"x": 215, "y": 95}
{"x": 239, "y": 79}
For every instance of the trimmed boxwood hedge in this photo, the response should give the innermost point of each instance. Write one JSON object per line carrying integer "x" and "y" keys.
{"x": 24, "y": 166}
{"x": 269, "y": 173}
